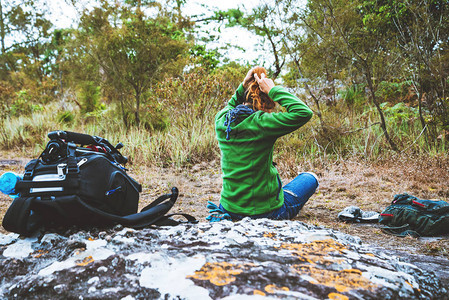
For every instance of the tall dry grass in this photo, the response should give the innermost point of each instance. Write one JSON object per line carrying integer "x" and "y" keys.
{"x": 187, "y": 105}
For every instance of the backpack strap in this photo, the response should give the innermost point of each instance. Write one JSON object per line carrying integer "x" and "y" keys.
{"x": 152, "y": 214}
{"x": 29, "y": 169}
{"x": 20, "y": 218}
{"x": 401, "y": 231}
{"x": 72, "y": 165}
{"x": 167, "y": 220}
{"x": 173, "y": 196}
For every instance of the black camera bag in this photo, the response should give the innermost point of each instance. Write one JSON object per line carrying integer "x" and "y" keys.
{"x": 85, "y": 186}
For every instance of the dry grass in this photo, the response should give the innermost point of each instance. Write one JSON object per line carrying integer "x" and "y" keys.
{"x": 372, "y": 186}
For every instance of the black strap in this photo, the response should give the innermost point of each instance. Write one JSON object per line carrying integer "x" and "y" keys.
{"x": 28, "y": 184}
{"x": 167, "y": 220}
{"x": 72, "y": 165}
{"x": 29, "y": 169}
{"x": 152, "y": 214}
{"x": 173, "y": 196}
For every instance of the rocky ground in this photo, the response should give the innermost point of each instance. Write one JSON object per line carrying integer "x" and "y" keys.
{"x": 225, "y": 260}
{"x": 368, "y": 185}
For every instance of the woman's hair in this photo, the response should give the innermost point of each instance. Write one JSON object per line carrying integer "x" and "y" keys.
{"x": 254, "y": 95}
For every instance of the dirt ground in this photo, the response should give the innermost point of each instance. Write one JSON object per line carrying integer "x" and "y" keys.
{"x": 368, "y": 185}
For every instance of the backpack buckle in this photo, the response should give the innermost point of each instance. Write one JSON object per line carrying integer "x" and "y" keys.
{"x": 28, "y": 174}
{"x": 60, "y": 169}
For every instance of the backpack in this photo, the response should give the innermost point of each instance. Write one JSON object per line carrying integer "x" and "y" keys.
{"x": 408, "y": 215}
{"x": 84, "y": 186}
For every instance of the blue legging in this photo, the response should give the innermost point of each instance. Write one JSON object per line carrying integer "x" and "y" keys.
{"x": 296, "y": 194}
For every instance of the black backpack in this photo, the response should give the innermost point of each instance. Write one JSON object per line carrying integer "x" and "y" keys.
{"x": 408, "y": 215}
{"x": 84, "y": 185}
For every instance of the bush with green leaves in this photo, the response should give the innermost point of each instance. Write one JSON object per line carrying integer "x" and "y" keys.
{"x": 89, "y": 95}
{"x": 353, "y": 94}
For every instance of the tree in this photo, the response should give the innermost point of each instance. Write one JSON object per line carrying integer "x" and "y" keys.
{"x": 132, "y": 50}
{"x": 24, "y": 30}
{"x": 314, "y": 53}
{"x": 2, "y": 28}
{"x": 363, "y": 47}
{"x": 422, "y": 29}
{"x": 260, "y": 22}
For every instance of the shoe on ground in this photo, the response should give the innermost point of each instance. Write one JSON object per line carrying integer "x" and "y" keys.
{"x": 355, "y": 214}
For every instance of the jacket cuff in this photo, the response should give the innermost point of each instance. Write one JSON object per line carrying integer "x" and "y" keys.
{"x": 274, "y": 90}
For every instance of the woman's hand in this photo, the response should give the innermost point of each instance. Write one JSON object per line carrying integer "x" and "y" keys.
{"x": 265, "y": 84}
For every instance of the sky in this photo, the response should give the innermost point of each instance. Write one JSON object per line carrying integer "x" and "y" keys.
{"x": 63, "y": 15}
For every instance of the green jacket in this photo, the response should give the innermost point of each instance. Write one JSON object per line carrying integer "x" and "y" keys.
{"x": 251, "y": 183}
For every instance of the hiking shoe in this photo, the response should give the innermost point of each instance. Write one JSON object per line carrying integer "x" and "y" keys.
{"x": 216, "y": 214}
{"x": 369, "y": 216}
{"x": 350, "y": 213}
{"x": 355, "y": 214}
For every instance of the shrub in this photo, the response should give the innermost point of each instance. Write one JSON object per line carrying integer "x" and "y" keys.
{"x": 353, "y": 94}
{"x": 89, "y": 95}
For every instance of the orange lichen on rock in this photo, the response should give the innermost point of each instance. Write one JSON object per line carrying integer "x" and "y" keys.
{"x": 270, "y": 235}
{"x": 218, "y": 273}
{"x": 337, "y": 296}
{"x": 319, "y": 246}
{"x": 259, "y": 293}
{"x": 87, "y": 260}
{"x": 315, "y": 252}
{"x": 40, "y": 253}
{"x": 342, "y": 281}
{"x": 317, "y": 255}
{"x": 272, "y": 288}
{"x": 419, "y": 290}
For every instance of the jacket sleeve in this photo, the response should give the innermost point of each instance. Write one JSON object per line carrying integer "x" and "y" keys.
{"x": 279, "y": 124}
{"x": 236, "y": 99}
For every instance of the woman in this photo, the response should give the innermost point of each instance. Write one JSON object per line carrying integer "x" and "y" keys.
{"x": 246, "y": 130}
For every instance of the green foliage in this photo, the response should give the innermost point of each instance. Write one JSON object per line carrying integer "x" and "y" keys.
{"x": 29, "y": 130}
{"x": 208, "y": 59}
{"x": 156, "y": 115}
{"x": 400, "y": 112}
{"x": 443, "y": 113}
{"x": 403, "y": 119}
{"x": 233, "y": 16}
{"x": 125, "y": 64}
{"x": 393, "y": 91}
{"x": 353, "y": 94}
{"x": 260, "y": 21}
{"x": 65, "y": 117}
{"x": 195, "y": 97}
{"x": 89, "y": 95}
{"x": 23, "y": 105}
{"x": 133, "y": 51}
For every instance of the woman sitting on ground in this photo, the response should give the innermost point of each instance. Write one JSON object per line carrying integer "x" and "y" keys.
{"x": 246, "y": 130}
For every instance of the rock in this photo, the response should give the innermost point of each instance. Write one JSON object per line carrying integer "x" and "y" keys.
{"x": 225, "y": 260}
